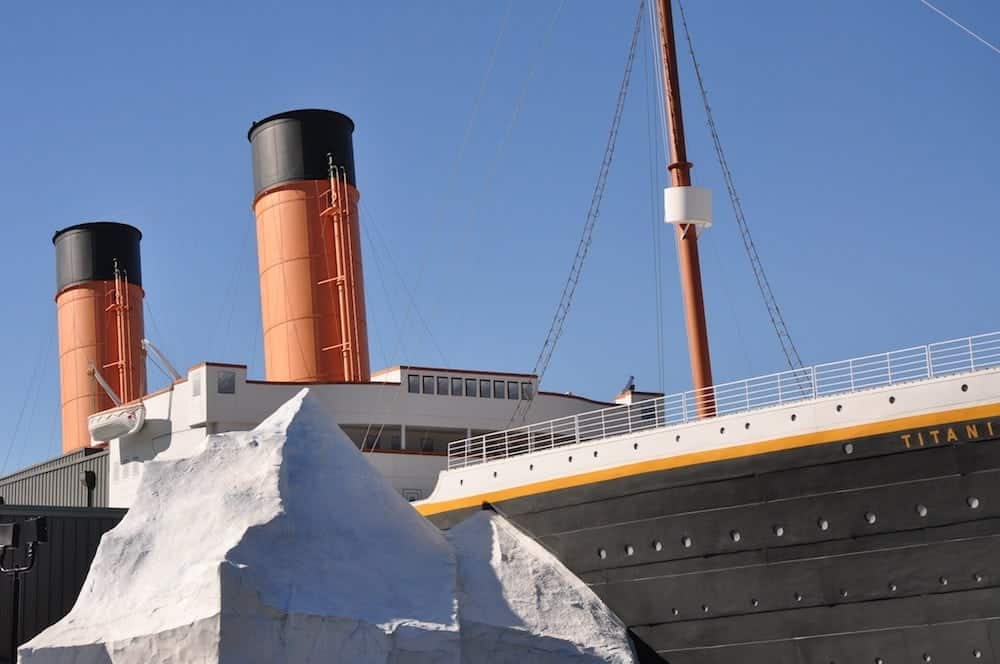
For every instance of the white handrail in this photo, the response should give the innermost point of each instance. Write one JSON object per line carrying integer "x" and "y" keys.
{"x": 841, "y": 377}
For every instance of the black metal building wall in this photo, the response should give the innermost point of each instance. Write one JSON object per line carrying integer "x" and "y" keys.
{"x": 60, "y": 482}
{"x": 49, "y": 591}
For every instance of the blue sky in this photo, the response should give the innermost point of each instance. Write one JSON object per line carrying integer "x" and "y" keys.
{"x": 862, "y": 136}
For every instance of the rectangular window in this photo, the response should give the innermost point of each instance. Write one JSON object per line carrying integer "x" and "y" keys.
{"x": 526, "y": 391}
{"x": 442, "y": 385}
{"x": 456, "y": 387}
{"x": 428, "y": 384}
{"x": 376, "y": 436}
{"x": 432, "y": 440}
{"x": 470, "y": 387}
{"x": 513, "y": 391}
{"x": 413, "y": 384}
{"x": 484, "y": 388}
{"x": 226, "y": 382}
{"x": 498, "y": 389}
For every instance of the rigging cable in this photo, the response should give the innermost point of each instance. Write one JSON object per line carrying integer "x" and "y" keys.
{"x": 45, "y": 372}
{"x": 653, "y": 151}
{"x": 34, "y": 386}
{"x": 380, "y": 407}
{"x": 962, "y": 27}
{"x": 372, "y": 233}
{"x": 773, "y": 311}
{"x": 161, "y": 340}
{"x": 569, "y": 289}
{"x": 229, "y": 295}
{"x": 449, "y": 187}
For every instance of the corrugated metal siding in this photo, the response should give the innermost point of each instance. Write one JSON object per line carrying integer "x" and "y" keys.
{"x": 49, "y": 591}
{"x": 57, "y": 483}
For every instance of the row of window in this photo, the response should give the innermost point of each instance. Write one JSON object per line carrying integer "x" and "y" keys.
{"x": 484, "y": 388}
{"x": 418, "y": 438}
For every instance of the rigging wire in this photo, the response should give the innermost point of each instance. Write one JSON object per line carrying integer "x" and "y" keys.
{"x": 448, "y": 188}
{"x": 169, "y": 376}
{"x": 33, "y": 382}
{"x": 228, "y": 298}
{"x": 719, "y": 267}
{"x": 593, "y": 213}
{"x": 658, "y": 78}
{"x": 962, "y": 27}
{"x": 376, "y": 331}
{"x": 372, "y": 232}
{"x": 653, "y": 150}
{"x": 160, "y": 339}
{"x": 161, "y": 342}
{"x": 381, "y": 272}
{"x": 773, "y": 311}
{"x": 46, "y": 370}
{"x": 55, "y": 420}
{"x": 489, "y": 180}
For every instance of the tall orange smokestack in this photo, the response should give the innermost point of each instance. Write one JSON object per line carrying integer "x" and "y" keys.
{"x": 309, "y": 248}
{"x": 99, "y": 309}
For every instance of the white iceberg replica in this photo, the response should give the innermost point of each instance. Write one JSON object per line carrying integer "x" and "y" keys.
{"x": 283, "y": 544}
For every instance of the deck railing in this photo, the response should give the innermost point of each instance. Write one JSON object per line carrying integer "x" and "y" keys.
{"x": 846, "y": 376}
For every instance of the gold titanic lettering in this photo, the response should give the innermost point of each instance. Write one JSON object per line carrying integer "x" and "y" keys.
{"x": 952, "y": 434}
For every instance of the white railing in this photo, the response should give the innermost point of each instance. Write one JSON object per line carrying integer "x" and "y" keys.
{"x": 861, "y": 373}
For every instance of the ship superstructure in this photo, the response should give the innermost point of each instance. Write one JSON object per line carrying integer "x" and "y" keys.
{"x": 404, "y": 419}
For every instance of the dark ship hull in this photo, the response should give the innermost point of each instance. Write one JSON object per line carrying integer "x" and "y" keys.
{"x": 880, "y": 548}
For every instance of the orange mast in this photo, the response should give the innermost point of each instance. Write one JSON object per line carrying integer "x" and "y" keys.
{"x": 687, "y": 232}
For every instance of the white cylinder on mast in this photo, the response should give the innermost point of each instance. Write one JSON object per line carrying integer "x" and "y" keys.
{"x": 688, "y": 205}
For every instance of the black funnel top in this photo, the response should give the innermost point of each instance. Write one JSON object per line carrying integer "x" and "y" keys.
{"x": 87, "y": 252}
{"x": 294, "y": 146}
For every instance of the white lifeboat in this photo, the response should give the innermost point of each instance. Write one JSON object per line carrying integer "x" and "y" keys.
{"x": 116, "y": 423}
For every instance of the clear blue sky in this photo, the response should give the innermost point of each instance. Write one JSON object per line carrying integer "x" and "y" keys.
{"x": 862, "y": 135}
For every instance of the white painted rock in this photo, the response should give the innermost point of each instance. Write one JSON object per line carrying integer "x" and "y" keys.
{"x": 283, "y": 544}
{"x": 518, "y": 604}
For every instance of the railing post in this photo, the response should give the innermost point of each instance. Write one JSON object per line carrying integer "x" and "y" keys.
{"x": 506, "y": 444}
{"x": 930, "y": 362}
{"x": 812, "y": 379}
{"x": 466, "y": 446}
{"x": 972, "y": 357}
{"x": 888, "y": 366}
{"x": 484, "y": 449}
{"x": 746, "y": 392}
{"x": 850, "y": 366}
{"x": 779, "y": 390}
{"x": 576, "y": 428}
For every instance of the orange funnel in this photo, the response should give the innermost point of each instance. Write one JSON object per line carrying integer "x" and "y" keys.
{"x": 99, "y": 310}
{"x": 309, "y": 248}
